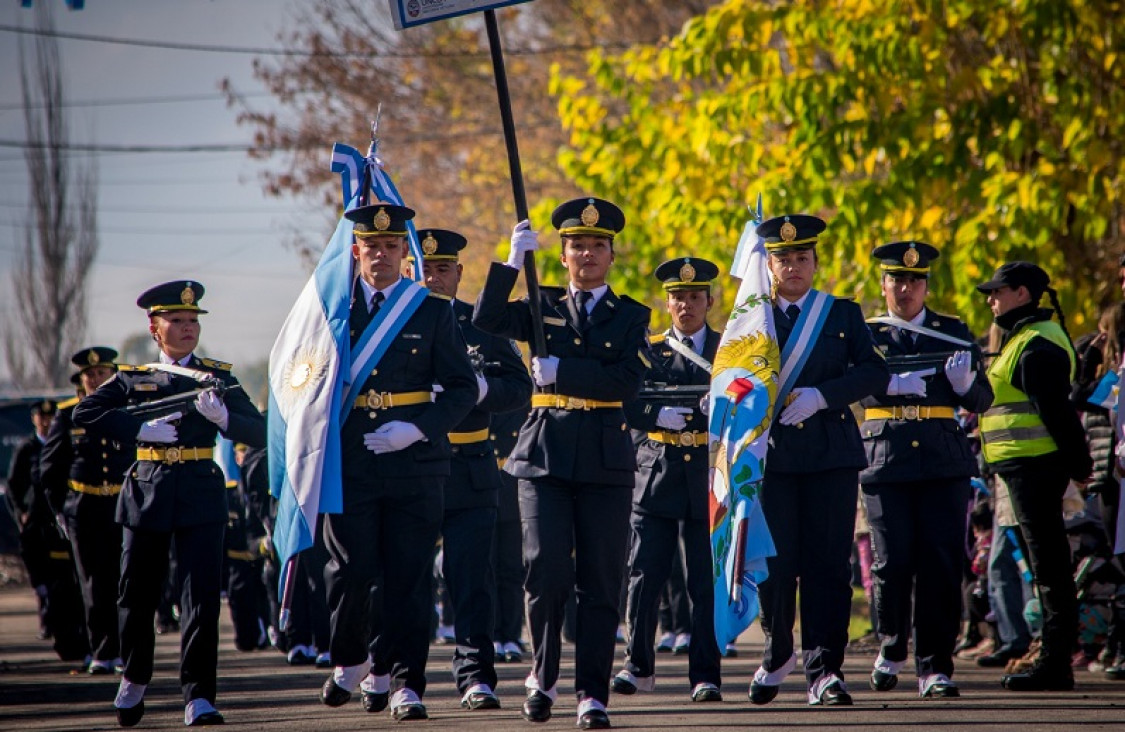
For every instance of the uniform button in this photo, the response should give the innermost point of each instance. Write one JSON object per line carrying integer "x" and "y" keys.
{"x": 372, "y": 415}
{"x": 515, "y": 433}
{"x": 687, "y": 458}
{"x": 843, "y": 416}
{"x": 842, "y": 335}
{"x": 103, "y": 442}
{"x": 608, "y": 344}
{"x": 914, "y": 443}
{"x": 623, "y": 428}
{"x": 105, "y": 469}
{"x": 104, "y": 455}
{"x": 491, "y": 436}
{"x": 800, "y": 425}
{"x": 578, "y": 341}
{"x": 870, "y": 433}
{"x": 413, "y": 351}
{"x": 134, "y": 475}
{"x": 374, "y": 372}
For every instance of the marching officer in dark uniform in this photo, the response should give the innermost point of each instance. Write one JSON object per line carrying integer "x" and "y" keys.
{"x": 396, "y": 460}
{"x": 507, "y": 545}
{"x": 1032, "y": 439}
{"x": 82, "y": 474}
{"x": 812, "y": 467}
{"x": 916, "y": 486}
{"x": 671, "y": 491}
{"x": 472, "y": 489}
{"x": 174, "y": 490}
{"x": 245, "y": 546}
{"x": 44, "y": 547}
{"x": 574, "y": 457}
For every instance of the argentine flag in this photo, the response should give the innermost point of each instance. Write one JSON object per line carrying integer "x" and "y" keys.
{"x": 306, "y": 381}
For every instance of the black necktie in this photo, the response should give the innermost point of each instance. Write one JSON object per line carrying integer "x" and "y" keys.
{"x": 907, "y": 339}
{"x": 689, "y": 343}
{"x": 792, "y": 312}
{"x": 582, "y": 297}
{"x": 377, "y": 302}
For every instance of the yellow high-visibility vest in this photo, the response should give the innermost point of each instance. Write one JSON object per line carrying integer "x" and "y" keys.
{"x": 1012, "y": 428}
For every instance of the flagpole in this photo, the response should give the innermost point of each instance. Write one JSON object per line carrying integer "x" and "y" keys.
{"x": 539, "y": 341}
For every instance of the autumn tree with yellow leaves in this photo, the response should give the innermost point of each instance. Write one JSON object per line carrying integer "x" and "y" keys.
{"x": 993, "y": 130}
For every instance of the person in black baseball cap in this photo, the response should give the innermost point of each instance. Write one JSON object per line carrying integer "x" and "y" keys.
{"x": 1032, "y": 439}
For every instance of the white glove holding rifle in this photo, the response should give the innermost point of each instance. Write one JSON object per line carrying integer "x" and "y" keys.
{"x": 524, "y": 240}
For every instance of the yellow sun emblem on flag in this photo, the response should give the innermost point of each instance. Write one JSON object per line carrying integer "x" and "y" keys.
{"x": 302, "y": 374}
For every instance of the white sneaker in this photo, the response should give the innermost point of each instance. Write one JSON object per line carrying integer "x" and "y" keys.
{"x": 683, "y": 644}
{"x": 512, "y": 652}
{"x": 446, "y": 635}
{"x": 667, "y": 643}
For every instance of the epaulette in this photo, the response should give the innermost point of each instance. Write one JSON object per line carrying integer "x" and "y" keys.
{"x": 447, "y": 298}
{"x": 68, "y": 403}
{"x": 213, "y": 364}
{"x": 232, "y": 484}
{"x": 849, "y": 298}
{"x": 657, "y": 338}
{"x": 130, "y": 367}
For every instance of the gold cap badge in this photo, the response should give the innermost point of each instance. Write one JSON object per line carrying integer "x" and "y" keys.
{"x": 92, "y": 357}
{"x": 910, "y": 256}
{"x": 382, "y": 220}
{"x": 788, "y": 231}
{"x": 187, "y": 295}
{"x": 590, "y": 215}
{"x": 429, "y": 244}
{"x": 687, "y": 273}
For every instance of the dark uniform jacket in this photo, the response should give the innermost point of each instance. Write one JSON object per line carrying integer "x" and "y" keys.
{"x": 603, "y": 363}
{"x": 907, "y": 450}
{"x": 505, "y": 430}
{"x": 23, "y": 476}
{"x": 672, "y": 481}
{"x": 845, "y": 366}
{"x": 475, "y": 481}
{"x": 157, "y": 496}
{"x": 84, "y": 456}
{"x": 427, "y": 350}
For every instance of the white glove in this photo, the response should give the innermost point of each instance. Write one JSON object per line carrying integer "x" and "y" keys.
{"x": 959, "y": 371}
{"x": 482, "y": 388}
{"x": 392, "y": 436}
{"x": 908, "y": 384}
{"x": 544, "y": 370}
{"x": 807, "y": 401}
{"x": 158, "y": 430}
{"x": 210, "y": 406}
{"x": 672, "y": 418}
{"x": 523, "y": 240}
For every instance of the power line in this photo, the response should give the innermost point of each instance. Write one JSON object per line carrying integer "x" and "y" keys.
{"x": 129, "y": 101}
{"x": 170, "y": 45}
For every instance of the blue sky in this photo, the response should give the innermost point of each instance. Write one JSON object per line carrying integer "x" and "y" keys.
{"x": 166, "y": 216}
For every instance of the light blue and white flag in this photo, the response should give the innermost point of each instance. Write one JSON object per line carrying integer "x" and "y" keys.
{"x": 744, "y": 386}
{"x": 306, "y": 378}
{"x": 1105, "y": 393}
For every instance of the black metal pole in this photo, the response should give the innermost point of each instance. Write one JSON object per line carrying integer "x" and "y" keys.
{"x": 539, "y": 341}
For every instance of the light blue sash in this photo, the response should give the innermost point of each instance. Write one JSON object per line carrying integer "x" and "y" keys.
{"x": 377, "y": 336}
{"x": 801, "y": 341}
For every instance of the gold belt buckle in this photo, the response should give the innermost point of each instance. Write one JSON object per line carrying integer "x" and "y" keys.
{"x": 576, "y": 403}
{"x": 910, "y": 411}
{"x": 171, "y": 455}
{"x": 374, "y": 400}
{"x": 687, "y": 439}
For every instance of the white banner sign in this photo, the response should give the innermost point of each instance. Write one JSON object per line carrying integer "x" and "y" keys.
{"x": 409, "y": 13}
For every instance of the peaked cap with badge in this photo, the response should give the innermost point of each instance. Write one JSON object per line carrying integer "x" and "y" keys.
{"x": 906, "y": 257}
{"x": 686, "y": 273}
{"x": 379, "y": 219}
{"x": 93, "y": 356}
{"x": 441, "y": 245}
{"x": 172, "y": 297}
{"x": 588, "y": 217}
{"x": 46, "y": 407}
{"x": 792, "y": 232}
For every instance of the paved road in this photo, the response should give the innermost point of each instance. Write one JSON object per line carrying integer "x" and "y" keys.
{"x": 259, "y": 691}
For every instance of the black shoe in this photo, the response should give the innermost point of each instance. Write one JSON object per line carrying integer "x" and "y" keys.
{"x": 835, "y": 696}
{"x": 882, "y": 681}
{"x": 941, "y": 690}
{"x": 407, "y": 712}
{"x": 537, "y": 708}
{"x": 481, "y": 700}
{"x": 374, "y": 701}
{"x": 621, "y": 685}
{"x": 333, "y": 695}
{"x": 1040, "y": 678}
{"x": 208, "y": 719}
{"x": 593, "y": 719}
{"x": 129, "y": 717}
{"x": 967, "y": 642}
{"x": 999, "y": 659}
{"x": 762, "y": 693}
{"x": 705, "y": 692}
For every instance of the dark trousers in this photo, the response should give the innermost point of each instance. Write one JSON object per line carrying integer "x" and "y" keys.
{"x": 96, "y": 541}
{"x": 655, "y": 549}
{"x": 918, "y": 537}
{"x": 466, "y": 566}
{"x": 309, "y": 619}
{"x": 675, "y": 609}
{"x": 387, "y": 533}
{"x": 575, "y": 536}
{"x": 812, "y": 518}
{"x": 246, "y": 597}
{"x": 507, "y": 561}
{"x": 144, "y": 569}
{"x": 1036, "y": 490}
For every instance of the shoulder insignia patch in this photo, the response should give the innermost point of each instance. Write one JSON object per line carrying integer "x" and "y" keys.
{"x": 213, "y": 364}
{"x": 137, "y": 369}
{"x": 657, "y": 338}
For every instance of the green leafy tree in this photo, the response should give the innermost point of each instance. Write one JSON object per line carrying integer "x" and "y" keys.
{"x": 993, "y": 130}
